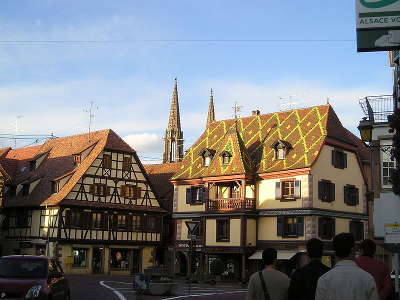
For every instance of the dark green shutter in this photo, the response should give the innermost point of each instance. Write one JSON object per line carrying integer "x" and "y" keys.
{"x": 321, "y": 185}
{"x": 356, "y": 196}
{"x": 344, "y": 160}
{"x": 346, "y": 194}
{"x": 334, "y": 158}
{"x": 297, "y": 189}
{"x": 189, "y": 196}
{"x": 201, "y": 194}
{"x": 278, "y": 191}
{"x": 331, "y": 192}
{"x": 300, "y": 226}
{"x": 280, "y": 226}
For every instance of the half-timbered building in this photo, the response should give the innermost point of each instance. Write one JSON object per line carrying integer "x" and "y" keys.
{"x": 85, "y": 199}
{"x": 273, "y": 180}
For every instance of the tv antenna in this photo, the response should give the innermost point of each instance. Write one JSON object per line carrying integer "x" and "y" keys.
{"x": 236, "y": 110}
{"x": 289, "y": 102}
{"x": 17, "y": 128}
{"x": 90, "y": 112}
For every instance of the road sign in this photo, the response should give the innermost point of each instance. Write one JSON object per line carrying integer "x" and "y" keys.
{"x": 193, "y": 228}
{"x": 392, "y": 233}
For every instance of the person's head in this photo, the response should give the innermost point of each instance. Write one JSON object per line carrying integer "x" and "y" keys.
{"x": 315, "y": 248}
{"x": 269, "y": 256}
{"x": 343, "y": 244}
{"x": 368, "y": 248}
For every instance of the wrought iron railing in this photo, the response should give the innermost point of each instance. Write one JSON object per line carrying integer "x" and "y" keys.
{"x": 229, "y": 204}
{"x": 377, "y": 108}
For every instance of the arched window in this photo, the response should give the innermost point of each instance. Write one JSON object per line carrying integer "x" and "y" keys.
{"x": 226, "y": 157}
{"x": 281, "y": 149}
{"x": 207, "y": 155}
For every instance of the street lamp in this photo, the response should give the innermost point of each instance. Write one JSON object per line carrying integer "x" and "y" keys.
{"x": 365, "y": 128}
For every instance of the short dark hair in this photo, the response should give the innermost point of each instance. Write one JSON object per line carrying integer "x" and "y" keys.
{"x": 269, "y": 256}
{"x": 368, "y": 247}
{"x": 342, "y": 244}
{"x": 315, "y": 248}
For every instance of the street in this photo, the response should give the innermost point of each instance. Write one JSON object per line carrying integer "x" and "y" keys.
{"x": 120, "y": 288}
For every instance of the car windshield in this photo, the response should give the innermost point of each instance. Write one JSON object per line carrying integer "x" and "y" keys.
{"x": 22, "y": 268}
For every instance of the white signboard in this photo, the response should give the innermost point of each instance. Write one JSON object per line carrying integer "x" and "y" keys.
{"x": 392, "y": 233}
{"x": 378, "y": 25}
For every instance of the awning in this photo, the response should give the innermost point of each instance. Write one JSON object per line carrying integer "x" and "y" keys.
{"x": 282, "y": 254}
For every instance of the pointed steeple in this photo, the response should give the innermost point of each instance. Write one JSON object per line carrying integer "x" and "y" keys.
{"x": 211, "y": 112}
{"x": 173, "y": 142}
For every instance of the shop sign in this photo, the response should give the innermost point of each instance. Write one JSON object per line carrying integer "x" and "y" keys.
{"x": 378, "y": 25}
{"x": 392, "y": 233}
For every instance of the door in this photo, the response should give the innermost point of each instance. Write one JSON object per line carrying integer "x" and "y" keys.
{"x": 97, "y": 261}
{"x": 135, "y": 261}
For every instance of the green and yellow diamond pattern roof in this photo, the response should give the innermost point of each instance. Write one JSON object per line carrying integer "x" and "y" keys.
{"x": 250, "y": 140}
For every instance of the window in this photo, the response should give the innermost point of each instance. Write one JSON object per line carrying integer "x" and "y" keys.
{"x": 223, "y": 230}
{"x": 281, "y": 148}
{"x": 326, "y": 228}
{"x": 54, "y": 187}
{"x": 22, "y": 219}
{"x": 153, "y": 223}
{"x": 339, "y": 159}
{"x": 32, "y": 165}
{"x": 290, "y": 226}
{"x": 99, "y": 189}
{"x": 357, "y": 230}
{"x": 25, "y": 189}
{"x": 126, "y": 163}
{"x": 326, "y": 191}
{"x": 77, "y": 159}
{"x": 235, "y": 192}
{"x": 106, "y": 161}
{"x": 97, "y": 220}
{"x": 388, "y": 165}
{"x": 131, "y": 191}
{"x": 136, "y": 223}
{"x": 288, "y": 189}
{"x": 121, "y": 222}
{"x": 226, "y": 157}
{"x": 207, "y": 155}
{"x": 73, "y": 219}
{"x": 11, "y": 190}
{"x": 119, "y": 259}
{"x": 80, "y": 257}
{"x": 351, "y": 196}
{"x": 195, "y": 195}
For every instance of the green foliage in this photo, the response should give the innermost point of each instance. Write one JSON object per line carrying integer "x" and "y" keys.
{"x": 217, "y": 267}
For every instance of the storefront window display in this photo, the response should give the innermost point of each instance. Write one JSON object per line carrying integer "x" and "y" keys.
{"x": 80, "y": 257}
{"x": 120, "y": 259}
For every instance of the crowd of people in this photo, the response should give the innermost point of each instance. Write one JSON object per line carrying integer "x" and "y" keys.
{"x": 361, "y": 278}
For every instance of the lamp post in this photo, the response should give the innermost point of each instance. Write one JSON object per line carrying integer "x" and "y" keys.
{"x": 365, "y": 128}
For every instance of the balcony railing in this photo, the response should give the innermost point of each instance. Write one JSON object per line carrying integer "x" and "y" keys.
{"x": 377, "y": 108}
{"x": 230, "y": 204}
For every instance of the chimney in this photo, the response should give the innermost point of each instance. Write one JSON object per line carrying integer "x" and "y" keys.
{"x": 255, "y": 112}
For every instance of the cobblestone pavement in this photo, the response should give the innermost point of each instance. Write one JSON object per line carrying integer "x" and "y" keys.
{"x": 120, "y": 288}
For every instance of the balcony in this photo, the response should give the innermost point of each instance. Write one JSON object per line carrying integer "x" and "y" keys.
{"x": 377, "y": 108}
{"x": 231, "y": 204}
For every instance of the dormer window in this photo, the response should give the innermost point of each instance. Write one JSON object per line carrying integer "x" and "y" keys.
{"x": 54, "y": 187}
{"x": 226, "y": 157}
{"x": 207, "y": 155}
{"x": 77, "y": 159}
{"x": 281, "y": 149}
{"x": 32, "y": 165}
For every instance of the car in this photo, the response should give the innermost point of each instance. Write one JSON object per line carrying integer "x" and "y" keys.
{"x": 32, "y": 277}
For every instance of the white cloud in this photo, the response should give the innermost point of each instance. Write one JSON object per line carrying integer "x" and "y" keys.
{"x": 144, "y": 142}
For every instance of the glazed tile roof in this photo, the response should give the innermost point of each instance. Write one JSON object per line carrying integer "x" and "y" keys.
{"x": 305, "y": 130}
{"x": 59, "y": 161}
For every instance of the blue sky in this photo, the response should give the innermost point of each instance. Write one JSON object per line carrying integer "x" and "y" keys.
{"x": 50, "y": 84}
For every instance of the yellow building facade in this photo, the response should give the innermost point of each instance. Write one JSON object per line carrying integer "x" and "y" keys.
{"x": 272, "y": 180}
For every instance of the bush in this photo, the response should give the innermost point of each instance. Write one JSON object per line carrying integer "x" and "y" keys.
{"x": 217, "y": 267}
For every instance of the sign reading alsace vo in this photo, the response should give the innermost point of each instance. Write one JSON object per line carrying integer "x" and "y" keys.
{"x": 378, "y": 25}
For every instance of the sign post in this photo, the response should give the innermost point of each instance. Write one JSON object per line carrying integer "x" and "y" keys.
{"x": 193, "y": 232}
{"x": 392, "y": 236}
{"x": 378, "y": 25}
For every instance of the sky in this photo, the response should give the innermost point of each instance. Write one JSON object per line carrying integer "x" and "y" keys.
{"x": 58, "y": 56}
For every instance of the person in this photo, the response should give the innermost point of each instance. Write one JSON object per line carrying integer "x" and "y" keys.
{"x": 346, "y": 281}
{"x": 276, "y": 282}
{"x": 377, "y": 269}
{"x": 304, "y": 280}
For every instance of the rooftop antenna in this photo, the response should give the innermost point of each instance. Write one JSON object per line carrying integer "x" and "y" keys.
{"x": 90, "y": 111}
{"x": 17, "y": 129}
{"x": 289, "y": 103}
{"x": 327, "y": 100}
{"x": 236, "y": 109}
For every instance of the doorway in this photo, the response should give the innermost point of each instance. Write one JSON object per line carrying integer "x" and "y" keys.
{"x": 97, "y": 260}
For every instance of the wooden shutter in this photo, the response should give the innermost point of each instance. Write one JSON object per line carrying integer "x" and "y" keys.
{"x": 189, "y": 196}
{"x": 331, "y": 192}
{"x": 333, "y": 227}
{"x": 278, "y": 191}
{"x": 334, "y": 158}
{"x": 280, "y": 226}
{"x": 204, "y": 194}
{"x": 300, "y": 226}
{"x": 297, "y": 189}
{"x": 356, "y": 196}
{"x": 346, "y": 194}
{"x": 344, "y": 160}
{"x": 129, "y": 222}
{"x": 91, "y": 189}
{"x": 201, "y": 194}
{"x": 321, "y": 222}
{"x": 321, "y": 190}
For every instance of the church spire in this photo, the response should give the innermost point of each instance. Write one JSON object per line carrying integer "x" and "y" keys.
{"x": 211, "y": 112}
{"x": 173, "y": 142}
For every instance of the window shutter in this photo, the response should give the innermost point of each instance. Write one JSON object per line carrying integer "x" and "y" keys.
{"x": 297, "y": 189}
{"x": 321, "y": 190}
{"x": 189, "y": 196}
{"x": 346, "y": 194}
{"x": 300, "y": 226}
{"x": 108, "y": 190}
{"x": 280, "y": 225}
{"x": 129, "y": 222}
{"x": 201, "y": 194}
{"x": 320, "y": 227}
{"x": 353, "y": 230}
{"x": 114, "y": 224}
{"x": 344, "y": 160}
{"x": 334, "y": 158}
{"x": 356, "y": 196}
{"x": 91, "y": 189}
{"x": 331, "y": 192}
{"x": 122, "y": 192}
{"x": 103, "y": 221}
{"x": 333, "y": 227}
{"x": 278, "y": 191}
{"x": 143, "y": 221}
{"x": 138, "y": 192}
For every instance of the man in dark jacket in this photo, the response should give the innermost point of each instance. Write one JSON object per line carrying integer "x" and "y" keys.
{"x": 304, "y": 280}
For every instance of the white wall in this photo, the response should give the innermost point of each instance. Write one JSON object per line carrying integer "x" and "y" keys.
{"x": 386, "y": 210}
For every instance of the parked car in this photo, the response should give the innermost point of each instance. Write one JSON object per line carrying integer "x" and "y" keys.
{"x": 32, "y": 277}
